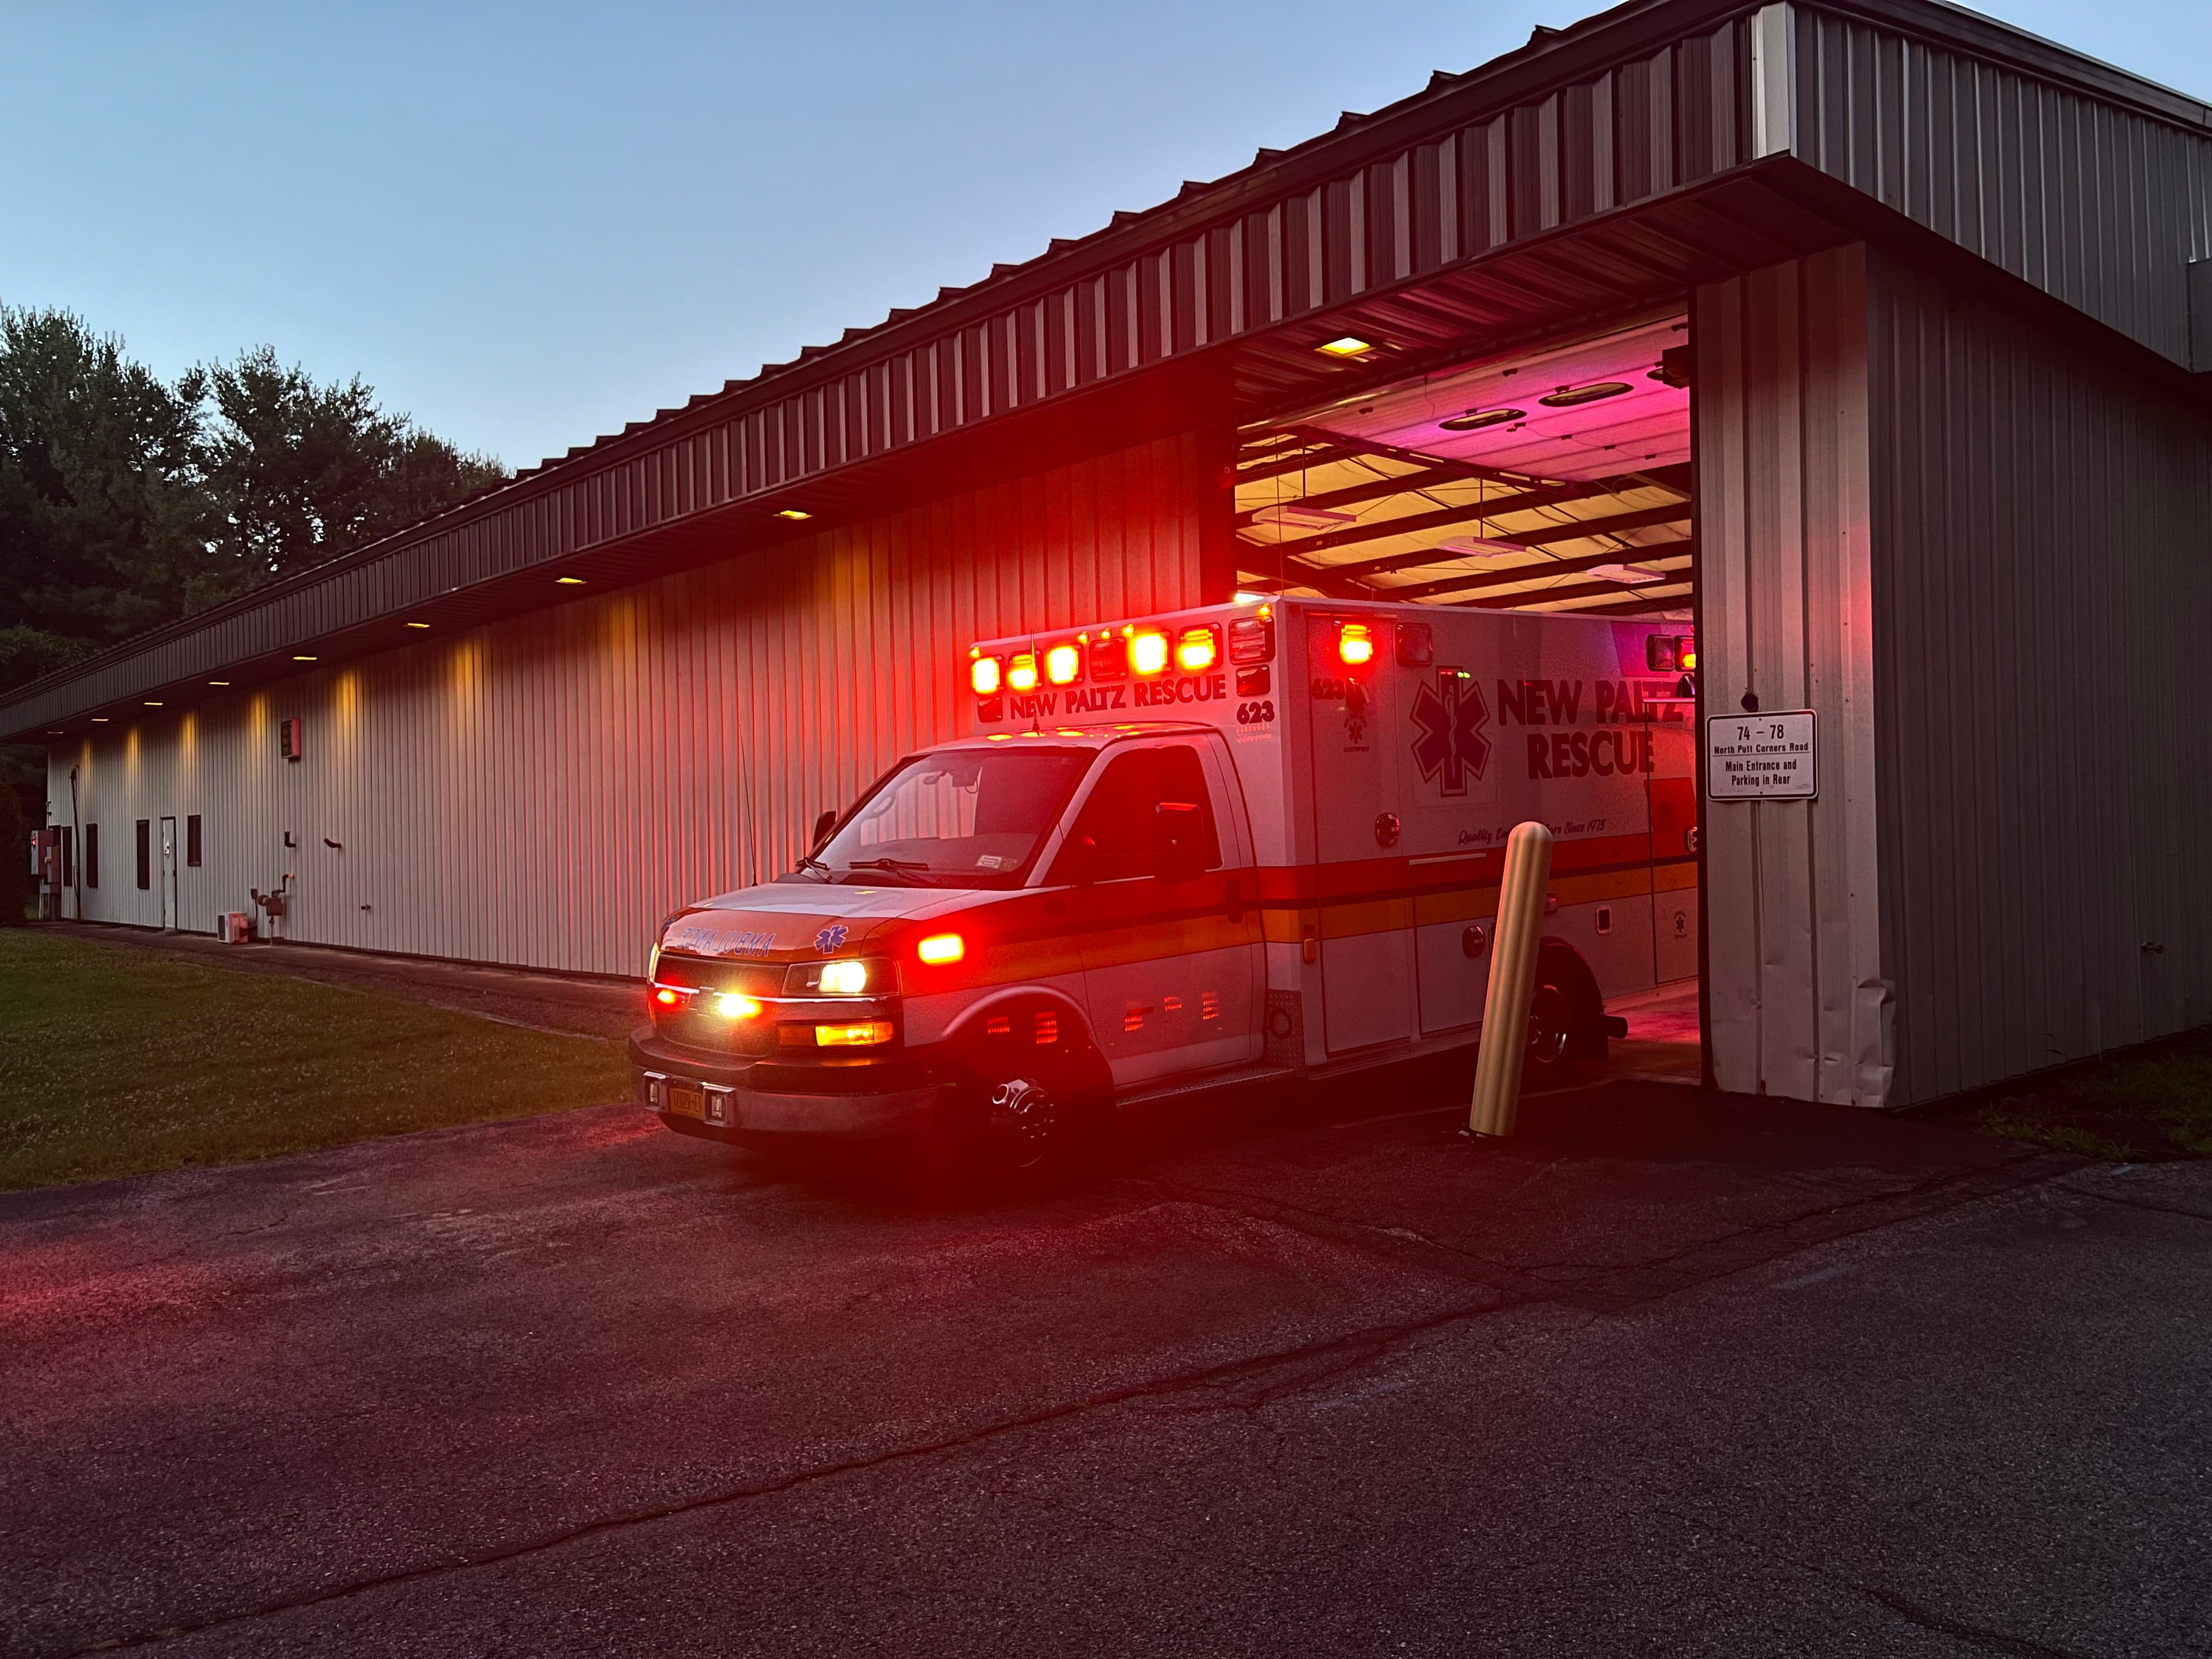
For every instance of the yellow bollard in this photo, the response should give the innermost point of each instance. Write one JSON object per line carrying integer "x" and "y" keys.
{"x": 1512, "y": 981}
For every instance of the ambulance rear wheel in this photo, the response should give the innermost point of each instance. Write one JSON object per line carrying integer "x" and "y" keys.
{"x": 1550, "y": 1059}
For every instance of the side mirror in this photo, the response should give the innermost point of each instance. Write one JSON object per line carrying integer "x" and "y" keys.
{"x": 823, "y": 826}
{"x": 1177, "y": 855}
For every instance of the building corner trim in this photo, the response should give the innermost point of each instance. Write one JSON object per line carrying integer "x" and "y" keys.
{"x": 1773, "y": 80}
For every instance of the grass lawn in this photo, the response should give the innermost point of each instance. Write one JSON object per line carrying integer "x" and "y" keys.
{"x": 2152, "y": 1102}
{"x": 115, "y": 1060}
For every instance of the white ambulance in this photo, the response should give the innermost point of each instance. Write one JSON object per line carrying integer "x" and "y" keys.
{"x": 1253, "y": 841}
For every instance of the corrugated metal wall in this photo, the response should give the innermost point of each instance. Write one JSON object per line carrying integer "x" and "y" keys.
{"x": 2043, "y": 538}
{"x": 2097, "y": 204}
{"x": 540, "y": 791}
{"x": 1796, "y": 999}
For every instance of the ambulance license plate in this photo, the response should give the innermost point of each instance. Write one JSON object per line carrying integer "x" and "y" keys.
{"x": 687, "y": 1100}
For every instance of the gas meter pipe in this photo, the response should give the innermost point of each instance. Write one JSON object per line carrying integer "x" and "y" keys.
{"x": 1512, "y": 981}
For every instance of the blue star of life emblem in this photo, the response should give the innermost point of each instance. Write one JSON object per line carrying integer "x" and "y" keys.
{"x": 1450, "y": 747}
{"x": 830, "y": 938}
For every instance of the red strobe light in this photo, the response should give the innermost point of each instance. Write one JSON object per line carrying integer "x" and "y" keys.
{"x": 1063, "y": 664}
{"x": 983, "y": 677}
{"x": 1355, "y": 645}
{"x": 1148, "y": 651}
{"x": 1197, "y": 649}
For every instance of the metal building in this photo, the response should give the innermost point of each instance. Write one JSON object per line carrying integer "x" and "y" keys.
{"x": 1920, "y": 442}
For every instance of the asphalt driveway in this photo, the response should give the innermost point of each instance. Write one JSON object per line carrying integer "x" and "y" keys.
{"x": 1668, "y": 1375}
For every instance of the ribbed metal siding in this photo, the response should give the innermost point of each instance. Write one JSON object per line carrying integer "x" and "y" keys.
{"x": 1475, "y": 181}
{"x": 540, "y": 791}
{"x": 2098, "y": 204}
{"x": 1796, "y": 997}
{"x": 2044, "y": 601}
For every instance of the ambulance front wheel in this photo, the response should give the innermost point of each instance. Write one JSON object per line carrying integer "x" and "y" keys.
{"x": 1026, "y": 1117}
{"x": 1025, "y": 1127}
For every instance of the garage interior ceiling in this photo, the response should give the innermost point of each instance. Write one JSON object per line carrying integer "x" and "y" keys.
{"x": 1468, "y": 487}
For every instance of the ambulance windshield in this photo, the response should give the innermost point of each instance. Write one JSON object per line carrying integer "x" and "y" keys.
{"x": 961, "y": 817}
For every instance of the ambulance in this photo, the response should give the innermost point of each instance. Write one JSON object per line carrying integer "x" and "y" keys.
{"x": 1260, "y": 840}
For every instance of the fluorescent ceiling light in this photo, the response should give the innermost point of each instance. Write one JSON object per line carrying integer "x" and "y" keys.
{"x": 1567, "y": 396}
{"x": 1634, "y": 575}
{"x": 1475, "y": 419}
{"x": 1299, "y": 513}
{"x": 1474, "y": 547}
{"x": 1346, "y": 345}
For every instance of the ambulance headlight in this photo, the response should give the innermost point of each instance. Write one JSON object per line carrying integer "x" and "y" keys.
{"x": 848, "y": 977}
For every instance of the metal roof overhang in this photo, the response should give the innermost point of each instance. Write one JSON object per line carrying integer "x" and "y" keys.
{"x": 1600, "y": 170}
{"x": 1576, "y": 278}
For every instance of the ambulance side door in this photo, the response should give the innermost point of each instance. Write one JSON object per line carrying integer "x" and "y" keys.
{"x": 1367, "y": 913}
{"x": 1164, "y": 902}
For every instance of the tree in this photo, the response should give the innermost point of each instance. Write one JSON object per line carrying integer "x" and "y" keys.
{"x": 125, "y": 503}
{"x": 104, "y": 520}
{"x": 300, "y": 472}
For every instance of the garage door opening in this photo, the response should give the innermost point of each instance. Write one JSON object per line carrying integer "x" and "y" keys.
{"x": 1557, "y": 482}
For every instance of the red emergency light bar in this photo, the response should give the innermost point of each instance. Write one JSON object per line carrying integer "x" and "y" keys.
{"x": 1197, "y": 649}
{"x": 1109, "y": 654}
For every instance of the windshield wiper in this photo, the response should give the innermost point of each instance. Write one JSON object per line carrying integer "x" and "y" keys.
{"x": 896, "y": 868}
{"x": 808, "y": 861}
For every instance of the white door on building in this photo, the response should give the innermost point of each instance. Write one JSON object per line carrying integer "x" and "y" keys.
{"x": 169, "y": 873}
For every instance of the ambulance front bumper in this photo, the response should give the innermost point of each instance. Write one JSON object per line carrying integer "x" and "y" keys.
{"x": 746, "y": 1100}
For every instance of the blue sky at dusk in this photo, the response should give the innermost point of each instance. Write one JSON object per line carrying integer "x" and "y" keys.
{"x": 526, "y": 225}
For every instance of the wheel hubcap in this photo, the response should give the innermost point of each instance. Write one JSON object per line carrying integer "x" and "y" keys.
{"x": 1547, "y": 1028}
{"x": 1022, "y": 1118}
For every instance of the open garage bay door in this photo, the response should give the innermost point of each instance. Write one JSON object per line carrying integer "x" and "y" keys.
{"x": 1557, "y": 480}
